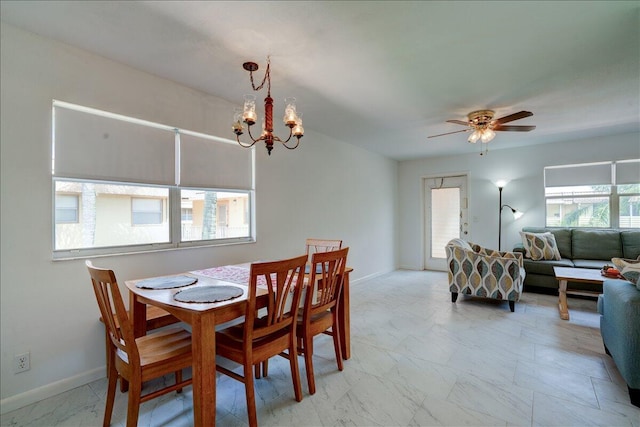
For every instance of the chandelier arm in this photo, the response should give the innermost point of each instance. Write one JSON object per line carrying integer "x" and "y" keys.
{"x": 250, "y": 136}
{"x": 290, "y": 135}
{"x": 245, "y": 145}
{"x": 295, "y": 146}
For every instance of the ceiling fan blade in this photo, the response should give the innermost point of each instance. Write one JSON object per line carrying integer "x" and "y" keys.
{"x": 515, "y": 116}
{"x": 449, "y": 133}
{"x": 514, "y": 128}
{"x": 458, "y": 122}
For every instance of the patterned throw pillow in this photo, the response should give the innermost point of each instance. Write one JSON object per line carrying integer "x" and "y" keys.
{"x": 629, "y": 269}
{"x": 540, "y": 246}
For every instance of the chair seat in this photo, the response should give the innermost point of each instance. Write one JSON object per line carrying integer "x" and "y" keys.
{"x": 319, "y": 322}
{"x": 159, "y": 346}
{"x": 155, "y": 349}
{"x": 230, "y": 341}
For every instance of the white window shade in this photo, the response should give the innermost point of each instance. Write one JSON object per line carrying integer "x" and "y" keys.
{"x": 628, "y": 172}
{"x": 586, "y": 174}
{"x": 207, "y": 163}
{"x": 91, "y": 146}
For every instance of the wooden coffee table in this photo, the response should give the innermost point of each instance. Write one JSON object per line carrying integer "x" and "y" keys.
{"x": 583, "y": 275}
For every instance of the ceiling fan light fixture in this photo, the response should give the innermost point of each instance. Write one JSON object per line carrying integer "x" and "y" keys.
{"x": 487, "y": 135}
{"x": 474, "y": 137}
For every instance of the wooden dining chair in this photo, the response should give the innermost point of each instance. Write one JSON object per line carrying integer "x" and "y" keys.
{"x": 264, "y": 335}
{"x": 320, "y": 245}
{"x": 320, "y": 307}
{"x": 136, "y": 360}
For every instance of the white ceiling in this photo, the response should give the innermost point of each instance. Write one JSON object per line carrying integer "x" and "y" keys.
{"x": 382, "y": 75}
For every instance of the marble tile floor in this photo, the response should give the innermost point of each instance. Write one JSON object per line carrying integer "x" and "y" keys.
{"x": 417, "y": 360}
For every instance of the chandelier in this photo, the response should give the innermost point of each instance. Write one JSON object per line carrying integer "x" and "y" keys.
{"x": 482, "y": 123}
{"x": 248, "y": 115}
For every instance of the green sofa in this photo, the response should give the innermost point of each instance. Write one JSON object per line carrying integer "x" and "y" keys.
{"x": 582, "y": 248}
{"x": 619, "y": 308}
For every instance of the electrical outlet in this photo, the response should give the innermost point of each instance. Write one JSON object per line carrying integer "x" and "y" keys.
{"x": 21, "y": 363}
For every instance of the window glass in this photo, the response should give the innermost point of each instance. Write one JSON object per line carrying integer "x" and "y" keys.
{"x": 629, "y": 205}
{"x": 578, "y": 212}
{"x": 106, "y": 218}
{"x": 214, "y": 214}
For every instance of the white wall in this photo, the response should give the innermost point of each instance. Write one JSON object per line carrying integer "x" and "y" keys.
{"x": 323, "y": 189}
{"x": 523, "y": 167}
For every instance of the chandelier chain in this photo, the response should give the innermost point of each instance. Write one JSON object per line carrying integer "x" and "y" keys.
{"x": 267, "y": 79}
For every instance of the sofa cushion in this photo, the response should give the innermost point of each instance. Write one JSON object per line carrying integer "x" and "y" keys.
{"x": 630, "y": 270}
{"x": 596, "y": 244}
{"x": 545, "y": 267}
{"x": 540, "y": 246}
{"x": 562, "y": 236}
{"x": 630, "y": 243}
{"x": 595, "y": 264}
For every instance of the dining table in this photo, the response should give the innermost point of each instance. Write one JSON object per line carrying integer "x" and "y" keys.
{"x": 202, "y": 319}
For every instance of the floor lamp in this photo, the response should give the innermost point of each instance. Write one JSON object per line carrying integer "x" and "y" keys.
{"x": 516, "y": 214}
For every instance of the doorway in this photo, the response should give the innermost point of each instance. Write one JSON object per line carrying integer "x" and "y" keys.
{"x": 445, "y": 216}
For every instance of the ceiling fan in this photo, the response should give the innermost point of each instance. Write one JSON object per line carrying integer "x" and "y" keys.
{"x": 483, "y": 125}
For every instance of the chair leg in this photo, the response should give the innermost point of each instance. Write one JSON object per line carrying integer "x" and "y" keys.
{"x": 454, "y": 296}
{"x": 112, "y": 378}
{"x": 265, "y": 368}
{"x": 133, "y": 404}
{"x": 124, "y": 385}
{"x": 179, "y": 380}
{"x": 512, "y": 306}
{"x": 257, "y": 372}
{"x": 251, "y": 395}
{"x": 295, "y": 371}
{"x": 307, "y": 347}
{"x": 335, "y": 332}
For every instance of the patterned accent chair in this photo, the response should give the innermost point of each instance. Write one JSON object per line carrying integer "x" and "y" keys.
{"x": 481, "y": 272}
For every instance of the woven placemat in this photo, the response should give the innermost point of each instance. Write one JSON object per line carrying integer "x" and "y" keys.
{"x": 208, "y": 294}
{"x": 166, "y": 282}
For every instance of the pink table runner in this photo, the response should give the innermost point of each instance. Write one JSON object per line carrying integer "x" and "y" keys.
{"x": 239, "y": 274}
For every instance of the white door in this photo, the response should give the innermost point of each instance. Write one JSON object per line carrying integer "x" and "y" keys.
{"x": 445, "y": 217}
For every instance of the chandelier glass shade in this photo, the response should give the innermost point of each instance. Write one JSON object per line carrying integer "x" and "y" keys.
{"x": 248, "y": 116}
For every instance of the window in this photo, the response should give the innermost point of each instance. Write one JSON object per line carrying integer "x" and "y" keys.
{"x": 599, "y": 195}
{"x": 66, "y": 206}
{"x": 141, "y": 183}
{"x": 111, "y": 215}
{"x": 214, "y": 215}
{"x": 146, "y": 211}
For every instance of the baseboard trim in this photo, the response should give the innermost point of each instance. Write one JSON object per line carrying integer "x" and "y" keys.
{"x": 37, "y": 394}
{"x": 370, "y": 276}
